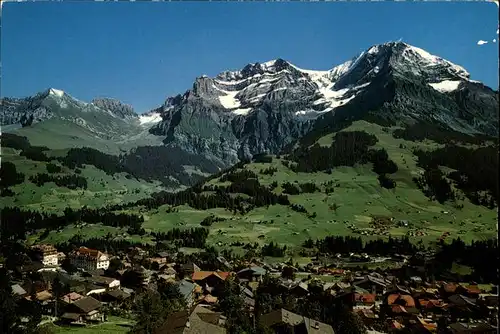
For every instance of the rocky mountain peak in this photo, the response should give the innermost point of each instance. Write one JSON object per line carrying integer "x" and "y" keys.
{"x": 115, "y": 106}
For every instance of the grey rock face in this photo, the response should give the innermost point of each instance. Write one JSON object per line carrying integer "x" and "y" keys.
{"x": 265, "y": 107}
{"x": 116, "y": 107}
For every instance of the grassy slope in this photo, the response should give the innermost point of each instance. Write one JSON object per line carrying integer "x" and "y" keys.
{"x": 112, "y": 326}
{"x": 60, "y": 134}
{"x": 102, "y": 188}
{"x": 358, "y": 196}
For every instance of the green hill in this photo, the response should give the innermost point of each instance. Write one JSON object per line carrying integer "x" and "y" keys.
{"x": 349, "y": 200}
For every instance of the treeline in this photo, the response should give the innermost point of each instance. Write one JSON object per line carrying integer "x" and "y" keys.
{"x": 16, "y": 222}
{"x": 421, "y": 131}
{"x": 53, "y": 168}
{"x": 193, "y": 237}
{"x": 242, "y": 182}
{"x": 480, "y": 255}
{"x": 292, "y": 189}
{"x": 210, "y": 220}
{"x": 476, "y": 172}
{"x": 68, "y": 181}
{"x": 262, "y": 158}
{"x": 268, "y": 171}
{"x": 27, "y": 150}
{"x": 348, "y": 244}
{"x": 162, "y": 162}
{"x": 77, "y": 157}
{"x": 104, "y": 217}
{"x": 434, "y": 185}
{"x": 273, "y": 249}
{"x": 347, "y": 149}
{"x": 9, "y": 177}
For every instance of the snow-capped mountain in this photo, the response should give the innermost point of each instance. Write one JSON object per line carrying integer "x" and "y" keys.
{"x": 264, "y": 107}
{"x": 104, "y": 124}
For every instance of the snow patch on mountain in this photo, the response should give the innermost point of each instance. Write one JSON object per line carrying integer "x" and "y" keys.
{"x": 229, "y": 101}
{"x": 446, "y": 86}
{"x": 242, "y": 111}
{"x": 150, "y": 118}
{"x": 56, "y": 92}
{"x": 435, "y": 60}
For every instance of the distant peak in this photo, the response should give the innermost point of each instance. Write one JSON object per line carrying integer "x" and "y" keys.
{"x": 56, "y": 92}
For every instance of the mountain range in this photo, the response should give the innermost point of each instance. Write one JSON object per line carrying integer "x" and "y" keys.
{"x": 262, "y": 108}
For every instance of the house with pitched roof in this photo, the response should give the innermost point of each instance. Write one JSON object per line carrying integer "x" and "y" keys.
{"x": 209, "y": 280}
{"x": 200, "y": 321}
{"x": 86, "y": 309}
{"x": 283, "y": 321}
{"x": 89, "y": 259}
{"x": 46, "y": 254}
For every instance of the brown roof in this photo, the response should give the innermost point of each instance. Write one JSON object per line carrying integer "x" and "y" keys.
{"x": 367, "y": 298}
{"x": 201, "y": 275}
{"x": 71, "y": 297}
{"x": 397, "y": 298}
{"x": 44, "y": 248}
{"x": 201, "y": 321}
{"x": 473, "y": 289}
{"x": 119, "y": 294}
{"x": 283, "y": 316}
{"x": 43, "y": 295}
{"x": 87, "y": 304}
{"x": 92, "y": 253}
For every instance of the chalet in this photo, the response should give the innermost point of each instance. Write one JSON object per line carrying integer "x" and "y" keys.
{"x": 283, "y": 321}
{"x": 70, "y": 298}
{"x": 46, "y": 254}
{"x": 431, "y": 306}
{"x": 300, "y": 289}
{"x": 186, "y": 289}
{"x": 251, "y": 274}
{"x": 209, "y": 280}
{"x": 19, "y": 290}
{"x": 398, "y": 304}
{"x": 116, "y": 296}
{"x": 89, "y": 259}
{"x": 83, "y": 310}
{"x": 200, "y": 320}
{"x": 372, "y": 284}
{"x": 365, "y": 300}
{"x": 189, "y": 268}
{"x": 106, "y": 282}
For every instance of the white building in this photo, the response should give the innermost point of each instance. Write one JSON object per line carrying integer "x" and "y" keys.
{"x": 89, "y": 259}
{"x": 47, "y": 254}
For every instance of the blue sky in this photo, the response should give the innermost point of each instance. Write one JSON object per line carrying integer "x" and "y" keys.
{"x": 141, "y": 53}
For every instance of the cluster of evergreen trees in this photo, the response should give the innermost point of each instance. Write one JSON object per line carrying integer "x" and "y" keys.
{"x": 193, "y": 237}
{"x": 347, "y": 149}
{"x": 68, "y": 181}
{"x": 421, "y": 131}
{"x": 210, "y": 220}
{"x": 17, "y": 222}
{"x": 9, "y": 177}
{"x": 292, "y": 189}
{"x": 347, "y": 244}
{"x": 273, "y": 249}
{"x": 476, "y": 172}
